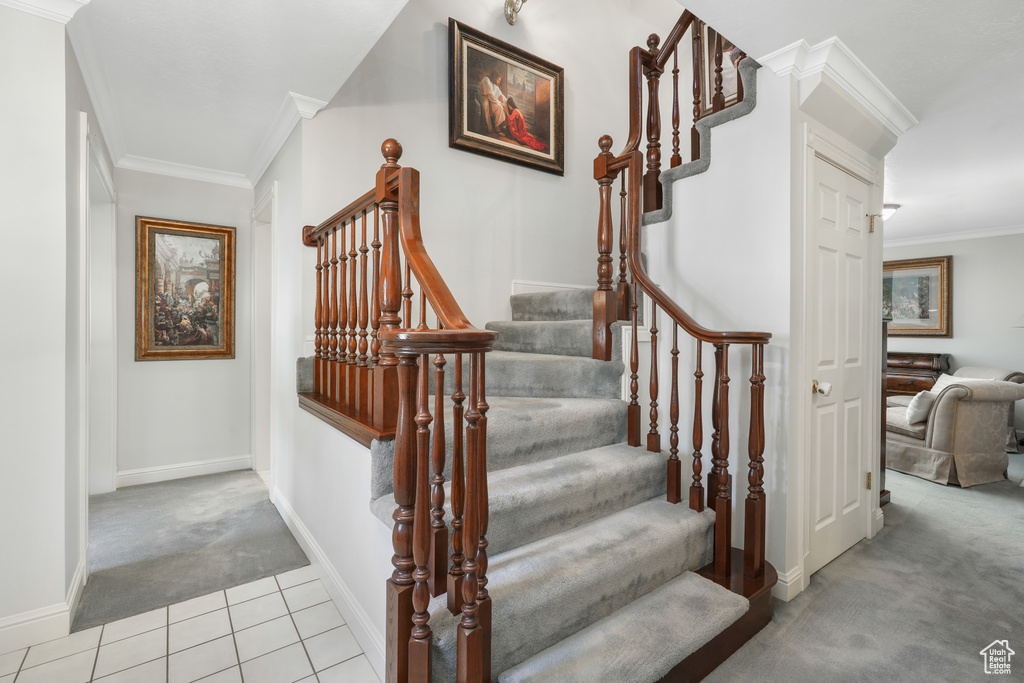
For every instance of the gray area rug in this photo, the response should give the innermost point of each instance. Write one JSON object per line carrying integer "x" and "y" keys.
{"x": 918, "y": 602}
{"x": 158, "y": 544}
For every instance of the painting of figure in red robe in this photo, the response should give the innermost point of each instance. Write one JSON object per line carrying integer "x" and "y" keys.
{"x": 505, "y": 102}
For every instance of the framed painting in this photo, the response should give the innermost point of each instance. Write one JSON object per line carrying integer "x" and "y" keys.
{"x": 732, "y": 87}
{"x": 184, "y": 290}
{"x": 918, "y": 295}
{"x": 503, "y": 102}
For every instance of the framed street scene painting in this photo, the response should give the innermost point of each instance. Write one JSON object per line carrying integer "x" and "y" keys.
{"x": 732, "y": 86}
{"x": 504, "y": 102}
{"x": 918, "y": 295}
{"x": 185, "y": 290}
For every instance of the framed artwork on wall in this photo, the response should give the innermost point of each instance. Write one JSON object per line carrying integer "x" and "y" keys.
{"x": 504, "y": 102}
{"x": 918, "y": 295}
{"x": 184, "y": 290}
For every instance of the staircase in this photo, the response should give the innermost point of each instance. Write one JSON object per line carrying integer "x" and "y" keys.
{"x": 589, "y": 564}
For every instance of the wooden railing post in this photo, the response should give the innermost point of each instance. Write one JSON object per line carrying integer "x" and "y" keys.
{"x": 622, "y": 289}
{"x": 420, "y": 638}
{"x": 652, "y": 188}
{"x": 696, "y": 487}
{"x": 698, "y": 30}
{"x": 439, "y": 530}
{"x": 754, "y": 521}
{"x": 470, "y": 646}
{"x": 389, "y": 292}
{"x": 456, "y": 574}
{"x": 605, "y": 306}
{"x": 720, "y": 454}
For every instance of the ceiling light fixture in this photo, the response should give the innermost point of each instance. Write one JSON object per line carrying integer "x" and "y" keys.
{"x": 888, "y": 210}
{"x": 512, "y": 8}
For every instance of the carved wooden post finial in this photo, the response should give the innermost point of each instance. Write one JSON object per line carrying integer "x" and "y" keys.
{"x": 392, "y": 151}
{"x": 652, "y": 43}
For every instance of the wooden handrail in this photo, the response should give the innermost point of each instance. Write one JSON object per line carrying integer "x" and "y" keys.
{"x": 674, "y": 36}
{"x": 311, "y": 233}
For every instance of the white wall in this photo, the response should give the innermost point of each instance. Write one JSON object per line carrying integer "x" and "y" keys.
{"x": 183, "y": 417}
{"x": 988, "y": 298}
{"x": 33, "y": 220}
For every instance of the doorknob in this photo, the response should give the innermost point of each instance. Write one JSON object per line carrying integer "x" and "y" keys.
{"x": 823, "y": 388}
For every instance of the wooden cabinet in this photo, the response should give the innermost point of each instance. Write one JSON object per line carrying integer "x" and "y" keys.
{"x": 910, "y": 373}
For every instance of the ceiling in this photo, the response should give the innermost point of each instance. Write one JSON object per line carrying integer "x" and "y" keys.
{"x": 958, "y": 66}
{"x": 201, "y": 88}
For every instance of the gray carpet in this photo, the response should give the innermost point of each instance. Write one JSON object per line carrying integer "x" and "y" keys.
{"x": 158, "y": 544}
{"x": 918, "y": 602}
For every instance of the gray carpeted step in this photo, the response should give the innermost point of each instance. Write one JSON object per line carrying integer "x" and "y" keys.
{"x": 510, "y": 373}
{"x": 548, "y": 590}
{"x": 680, "y": 616}
{"x": 522, "y": 430}
{"x": 558, "y": 337}
{"x": 570, "y": 304}
{"x": 532, "y": 501}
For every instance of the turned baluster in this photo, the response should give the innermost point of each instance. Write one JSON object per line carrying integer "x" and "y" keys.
{"x": 697, "y": 487}
{"x": 385, "y": 385}
{"x": 455, "y": 575}
{"x": 363, "y": 302}
{"x": 375, "y": 296}
{"x": 697, "y": 30}
{"x": 352, "y": 341}
{"x": 319, "y": 318}
{"x": 407, "y": 296}
{"x": 675, "y": 472}
{"x": 439, "y": 531}
{"x": 469, "y": 660}
{"x": 676, "y": 159}
{"x": 622, "y": 289}
{"x": 331, "y": 313}
{"x": 715, "y": 433}
{"x": 653, "y": 437}
{"x": 718, "y": 102}
{"x": 400, "y": 586}
{"x": 420, "y": 638}
{"x": 482, "y": 598}
{"x": 754, "y": 522}
{"x": 723, "y": 499}
{"x": 652, "y": 188}
{"x": 340, "y": 320}
{"x": 605, "y": 308}
{"x": 633, "y": 410}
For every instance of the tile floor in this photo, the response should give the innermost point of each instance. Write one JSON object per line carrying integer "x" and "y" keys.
{"x": 281, "y": 629}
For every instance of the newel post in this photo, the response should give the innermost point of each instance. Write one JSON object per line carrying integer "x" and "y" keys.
{"x": 605, "y": 299}
{"x": 389, "y": 287}
{"x": 652, "y": 188}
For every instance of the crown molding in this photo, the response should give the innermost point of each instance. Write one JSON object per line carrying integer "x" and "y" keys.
{"x": 294, "y": 108}
{"x": 55, "y": 10}
{"x": 954, "y": 236}
{"x": 169, "y": 168}
{"x": 834, "y": 59}
{"x": 83, "y": 44}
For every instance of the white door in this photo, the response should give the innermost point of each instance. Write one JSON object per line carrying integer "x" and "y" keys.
{"x": 839, "y": 310}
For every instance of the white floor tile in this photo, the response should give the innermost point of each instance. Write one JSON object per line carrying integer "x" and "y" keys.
{"x": 75, "y": 668}
{"x": 296, "y": 576}
{"x": 62, "y": 647}
{"x": 10, "y": 662}
{"x": 252, "y": 612}
{"x": 196, "y": 606}
{"x": 201, "y": 629}
{"x": 202, "y": 660}
{"x": 252, "y": 590}
{"x": 266, "y": 637}
{"x": 355, "y": 670}
{"x": 232, "y": 675}
{"x": 129, "y": 652}
{"x": 332, "y": 647}
{"x": 305, "y": 595}
{"x": 281, "y": 666}
{"x": 7, "y": 679}
{"x": 150, "y": 672}
{"x": 317, "y": 619}
{"x": 133, "y": 626}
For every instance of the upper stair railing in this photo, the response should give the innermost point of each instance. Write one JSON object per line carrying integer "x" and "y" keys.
{"x": 374, "y": 351}
{"x": 639, "y": 192}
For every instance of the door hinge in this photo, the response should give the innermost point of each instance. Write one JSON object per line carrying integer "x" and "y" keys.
{"x": 869, "y": 481}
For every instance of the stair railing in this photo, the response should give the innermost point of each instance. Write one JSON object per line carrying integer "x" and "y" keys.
{"x": 636, "y": 194}
{"x": 400, "y": 358}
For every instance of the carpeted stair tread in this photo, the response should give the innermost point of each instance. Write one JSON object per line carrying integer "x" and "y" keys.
{"x": 680, "y": 616}
{"x": 570, "y": 304}
{"x": 550, "y": 589}
{"x": 521, "y": 430}
{"x": 532, "y": 501}
{"x": 510, "y": 373}
{"x": 558, "y": 337}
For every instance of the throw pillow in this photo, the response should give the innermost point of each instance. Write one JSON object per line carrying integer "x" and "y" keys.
{"x": 919, "y": 407}
{"x": 942, "y": 382}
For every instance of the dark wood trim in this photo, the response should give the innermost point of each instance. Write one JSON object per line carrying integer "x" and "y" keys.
{"x": 357, "y": 428}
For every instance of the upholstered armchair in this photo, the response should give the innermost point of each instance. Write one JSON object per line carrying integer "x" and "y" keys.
{"x": 1001, "y": 374}
{"x": 963, "y": 440}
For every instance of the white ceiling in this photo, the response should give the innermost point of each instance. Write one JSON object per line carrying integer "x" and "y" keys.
{"x": 202, "y": 88}
{"x": 957, "y": 65}
{"x": 195, "y": 86}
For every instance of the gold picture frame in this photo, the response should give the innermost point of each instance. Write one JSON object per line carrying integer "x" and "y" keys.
{"x": 185, "y": 290}
{"x": 918, "y": 295}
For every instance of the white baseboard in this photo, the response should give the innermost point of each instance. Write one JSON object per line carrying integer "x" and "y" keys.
{"x": 877, "y": 521}
{"x": 150, "y": 475}
{"x": 366, "y": 634}
{"x": 32, "y": 628}
{"x": 531, "y": 286}
{"x": 75, "y": 590}
{"x": 790, "y": 584}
